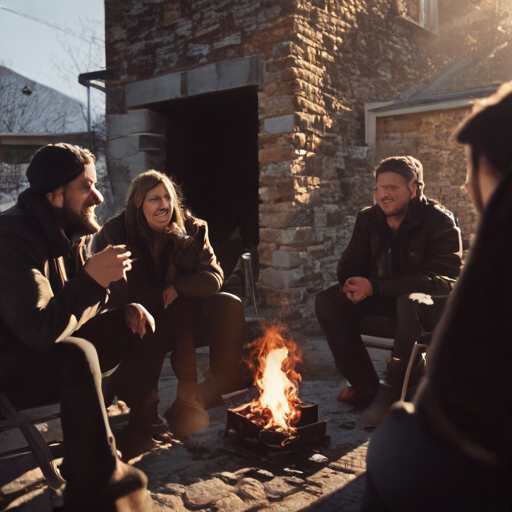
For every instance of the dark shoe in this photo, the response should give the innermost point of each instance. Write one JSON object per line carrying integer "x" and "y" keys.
{"x": 352, "y": 397}
{"x": 164, "y": 438}
{"x": 133, "y": 441}
{"x": 379, "y": 408}
{"x": 185, "y": 418}
{"x": 150, "y": 419}
{"x": 125, "y": 492}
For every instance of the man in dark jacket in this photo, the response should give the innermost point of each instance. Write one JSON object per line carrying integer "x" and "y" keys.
{"x": 398, "y": 268}
{"x": 40, "y": 361}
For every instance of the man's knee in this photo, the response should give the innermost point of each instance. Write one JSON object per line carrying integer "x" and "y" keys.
{"x": 226, "y": 303}
{"x": 331, "y": 301}
{"x": 407, "y": 304}
{"x": 76, "y": 356}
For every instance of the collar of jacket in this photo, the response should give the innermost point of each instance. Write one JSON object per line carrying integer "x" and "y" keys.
{"x": 416, "y": 211}
{"x": 41, "y": 217}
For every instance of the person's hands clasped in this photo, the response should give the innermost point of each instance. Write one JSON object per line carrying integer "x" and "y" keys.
{"x": 109, "y": 265}
{"x": 357, "y": 288}
{"x": 170, "y": 294}
{"x": 137, "y": 318}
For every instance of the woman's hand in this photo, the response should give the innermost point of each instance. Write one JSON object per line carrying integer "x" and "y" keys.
{"x": 169, "y": 295}
{"x": 137, "y": 316}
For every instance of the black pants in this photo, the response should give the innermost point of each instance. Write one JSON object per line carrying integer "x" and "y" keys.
{"x": 221, "y": 316}
{"x": 343, "y": 322}
{"x": 409, "y": 469}
{"x": 68, "y": 373}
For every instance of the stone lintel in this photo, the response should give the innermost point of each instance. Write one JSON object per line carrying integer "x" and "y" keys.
{"x": 221, "y": 76}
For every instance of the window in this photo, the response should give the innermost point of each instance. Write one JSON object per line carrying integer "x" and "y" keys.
{"x": 421, "y": 12}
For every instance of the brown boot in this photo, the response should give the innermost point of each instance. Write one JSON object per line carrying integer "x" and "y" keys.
{"x": 186, "y": 415}
{"x": 125, "y": 492}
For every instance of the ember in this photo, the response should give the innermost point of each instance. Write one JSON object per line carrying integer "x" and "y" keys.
{"x": 272, "y": 361}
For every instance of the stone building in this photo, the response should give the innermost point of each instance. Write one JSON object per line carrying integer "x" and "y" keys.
{"x": 258, "y": 109}
{"x": 472, "y": 57}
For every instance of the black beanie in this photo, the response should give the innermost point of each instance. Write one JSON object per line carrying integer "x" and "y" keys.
{"x": 55, "y": 165}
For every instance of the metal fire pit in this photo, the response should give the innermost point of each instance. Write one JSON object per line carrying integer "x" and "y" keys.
{"x": 309, "y": 431}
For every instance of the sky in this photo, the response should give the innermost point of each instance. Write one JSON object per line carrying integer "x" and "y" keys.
{"x": 30, "y": 48}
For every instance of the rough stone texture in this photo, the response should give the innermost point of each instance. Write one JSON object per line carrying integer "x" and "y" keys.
{"x": 205, "y": 494}
{"x": 322, "y": 61}
{"x": 231, "y": 478}
{"x": 318, "y": 62}
{"x": 251, "y": 489}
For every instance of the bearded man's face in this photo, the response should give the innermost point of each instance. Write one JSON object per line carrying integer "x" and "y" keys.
{"x": 80, "y": 200}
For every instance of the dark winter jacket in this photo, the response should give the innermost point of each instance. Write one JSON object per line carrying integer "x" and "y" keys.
{"x": 39, "y": 306}
{"x": 425, "y": 251}
{"x": 466, "y": 397}
{"x": 193, "y": 271}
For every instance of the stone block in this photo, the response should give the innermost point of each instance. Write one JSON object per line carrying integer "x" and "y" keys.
{"x": 289, "y": 236}
{"x": 122, "y": 147}
{"x": 286, "y": 259}
{"x": 279, "y": 154}
{"x": 134, "y": 121}
{"x": 204, "y": 494}
{"x": 279, "y": 220}
{"x": 281, "y": 278}
{"x": 280, "y": 124}
{"x": 282, "y": 190}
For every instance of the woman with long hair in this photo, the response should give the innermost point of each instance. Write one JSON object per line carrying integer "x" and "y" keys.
{"x": 176, "y": 277}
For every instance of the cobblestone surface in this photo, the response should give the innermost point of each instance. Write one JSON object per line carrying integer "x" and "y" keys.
{"x": 209, "y": 472}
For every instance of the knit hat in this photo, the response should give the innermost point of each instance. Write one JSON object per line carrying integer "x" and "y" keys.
{"x": 55, "y": 165}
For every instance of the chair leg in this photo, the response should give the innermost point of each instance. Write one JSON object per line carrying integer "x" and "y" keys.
{"x": 415, "y": 350}
{"x": 36, "y": 442}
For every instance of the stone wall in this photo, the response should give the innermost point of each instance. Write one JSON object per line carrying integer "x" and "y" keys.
{"x": 319, "y": 62}
{"x": 341, "y": 55}
{"x": 428, "y": 137}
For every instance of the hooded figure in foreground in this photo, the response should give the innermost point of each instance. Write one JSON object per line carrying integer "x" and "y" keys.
{"x": 451, "y": 449}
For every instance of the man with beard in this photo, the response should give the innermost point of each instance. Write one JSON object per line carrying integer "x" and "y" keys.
{"x": 399, "y": 266}
{"x": 41, "y": 361}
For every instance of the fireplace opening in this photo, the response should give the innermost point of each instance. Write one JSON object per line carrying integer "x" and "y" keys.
{"x": 212, "y": 152}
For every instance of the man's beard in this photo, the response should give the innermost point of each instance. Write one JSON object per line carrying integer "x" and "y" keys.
{"x": 81, "y": 224}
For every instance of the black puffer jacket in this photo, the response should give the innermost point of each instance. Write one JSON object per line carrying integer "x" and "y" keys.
{"x": 39, "y": 306}
{"x": 426, "y": 250}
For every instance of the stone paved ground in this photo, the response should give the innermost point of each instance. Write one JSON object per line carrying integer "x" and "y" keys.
{"x": 208, "y": 472}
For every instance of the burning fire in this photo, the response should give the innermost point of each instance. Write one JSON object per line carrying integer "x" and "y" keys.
{"x": 272, "y": 361}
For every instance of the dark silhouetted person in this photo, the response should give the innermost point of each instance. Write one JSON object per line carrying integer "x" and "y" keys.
{"x": 451, "y": 449}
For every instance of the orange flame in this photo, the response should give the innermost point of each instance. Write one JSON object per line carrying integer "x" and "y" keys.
{"x": 272, "y": 361}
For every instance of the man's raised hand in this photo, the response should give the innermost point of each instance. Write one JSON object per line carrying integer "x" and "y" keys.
{"x": 357, "y": 288}
{"x": 109, "y": 265}
{"x": 137, "y": 317}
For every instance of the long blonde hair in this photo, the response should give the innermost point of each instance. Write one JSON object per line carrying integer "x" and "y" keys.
{"x": 135, "y": 220}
